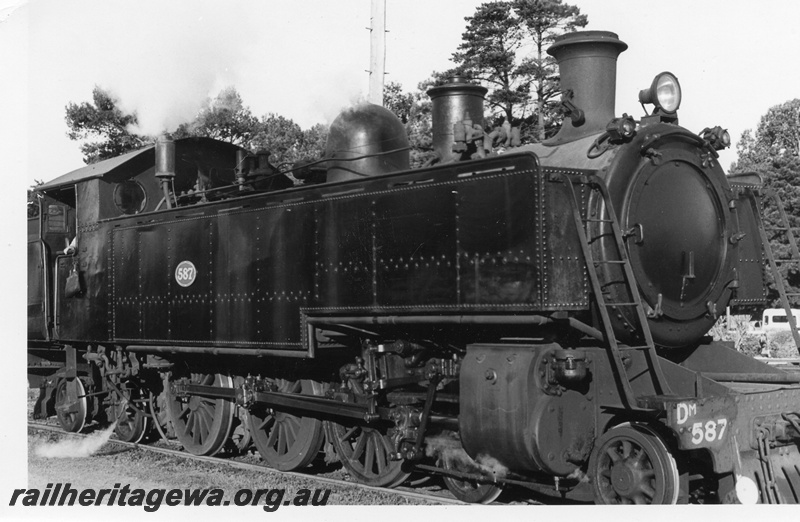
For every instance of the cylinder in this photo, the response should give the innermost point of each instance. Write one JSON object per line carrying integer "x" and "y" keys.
{"x": 587, "y": 62}
{"x": 454, "y": 102}
{"x": 366, "y": 140}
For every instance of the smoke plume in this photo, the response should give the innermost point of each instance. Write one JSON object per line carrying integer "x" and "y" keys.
{"x": 184, "y": 53}
{"x": 75, "y": 448}
{"x": 450, "y": 450}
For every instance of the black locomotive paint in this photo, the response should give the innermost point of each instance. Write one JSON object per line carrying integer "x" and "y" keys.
{"x": 543, "y": 310}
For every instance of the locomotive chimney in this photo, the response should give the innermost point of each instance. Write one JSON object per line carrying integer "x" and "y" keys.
{"x": 165, "y": 164}
{"x": 453, "y": 103}
{"x": 587, "y": 61}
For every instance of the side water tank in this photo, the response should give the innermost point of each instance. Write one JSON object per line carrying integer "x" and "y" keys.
{"x": 373, "y": 134}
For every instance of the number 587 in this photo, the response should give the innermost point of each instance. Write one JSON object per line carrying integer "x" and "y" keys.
{"x": 709, "y": 431}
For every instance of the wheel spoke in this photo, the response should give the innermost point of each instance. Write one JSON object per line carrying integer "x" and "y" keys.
{"x": 647, "y": 490}
{"x": 358, "y": 450}
{"x": 370, "y": 455}
{"x": 626, "y": 448}
{"x": 387, "y": 445}
{"x": 187, "y": 427}
{"x": 380, "y": 456}
{"x": 203, "y": 430}
{"x": 208, "y": 416}
{"x": 199, "y": 419}
{"x": 639, "y": 459}
{"x": 612, "y": 453}
{"x": 349, "y": 434}
{"x": 280, "y": 438}
{"x": 203, "y": 421}
{"x": 195, "y": 429}
{"x": 269, "y": 420}
{"x": 273, "y": 435}
{"x": 291, "y": 429}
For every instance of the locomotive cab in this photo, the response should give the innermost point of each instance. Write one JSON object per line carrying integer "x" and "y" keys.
{"x": 68, "y": 210}
{"x": 51, "y": 229}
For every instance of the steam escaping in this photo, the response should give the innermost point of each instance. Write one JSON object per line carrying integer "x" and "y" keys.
{"x": 492, "y": 466}
{"x": 75, "y": 448}
{"x": 579, "y": 474}
{"x": 183, "y": 53}
{"x": 187, "y": 52}
{"x": 327, "y": 105}
{"x": 448, "y": 449}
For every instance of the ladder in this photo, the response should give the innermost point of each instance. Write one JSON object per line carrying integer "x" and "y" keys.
{"x": 786, "y": 228}
{"x": 604, "y": 304}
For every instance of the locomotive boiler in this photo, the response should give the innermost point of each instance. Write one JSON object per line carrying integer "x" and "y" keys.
{"x": 533, "y": 317}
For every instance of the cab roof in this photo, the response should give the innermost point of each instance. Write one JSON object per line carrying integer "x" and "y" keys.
{"x": 120, "y": 167}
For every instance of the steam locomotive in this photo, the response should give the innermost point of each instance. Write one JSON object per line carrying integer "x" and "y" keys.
{"x": 533, "y": 317}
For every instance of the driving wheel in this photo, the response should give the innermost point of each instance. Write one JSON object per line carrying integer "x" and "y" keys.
{"x": 463, "y": 488}
{"x": 202, "y": 424}
{"x": 285, "y": 441}
{"x": 366, "y": 453}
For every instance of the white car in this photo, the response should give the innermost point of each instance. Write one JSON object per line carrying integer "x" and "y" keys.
{"x": 775, "y": 319}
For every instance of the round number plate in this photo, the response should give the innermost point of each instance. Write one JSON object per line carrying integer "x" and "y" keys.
{"x": 185, "y": 273}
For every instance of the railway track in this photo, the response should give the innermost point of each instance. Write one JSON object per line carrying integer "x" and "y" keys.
{"x": 401, "y": 491}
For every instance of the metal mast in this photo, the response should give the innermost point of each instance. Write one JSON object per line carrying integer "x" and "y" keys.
{"x": 377, "y": 58}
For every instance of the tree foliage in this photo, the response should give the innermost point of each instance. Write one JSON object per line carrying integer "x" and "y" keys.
{"x": 287, "y": 141}
{"x": 545, "y": 21}
{"x": 399, "y": 102}
{"x": 102, "y": 127}
{"x": 504, "y": 46}
{"x": 777, "y": 139}
{"x": 223, "y": 118}
{"x": 33, "y": 201}
{"x": 488, "y": 51}
{"x": 414, "y": 111}
{"x": 773, "y": 151}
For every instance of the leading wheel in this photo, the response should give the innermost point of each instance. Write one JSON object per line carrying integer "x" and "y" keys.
{"x": 286, "y": 442}
{"x": 72, "y": 417}
{"x": 630, "y": 464}
{"x": 465, "y": 489}
{"x": 366, "y": 455}
{"x": 202, "y": 424}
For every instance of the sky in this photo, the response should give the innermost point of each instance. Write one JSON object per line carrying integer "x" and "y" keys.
{"x": 306, "y": 60}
